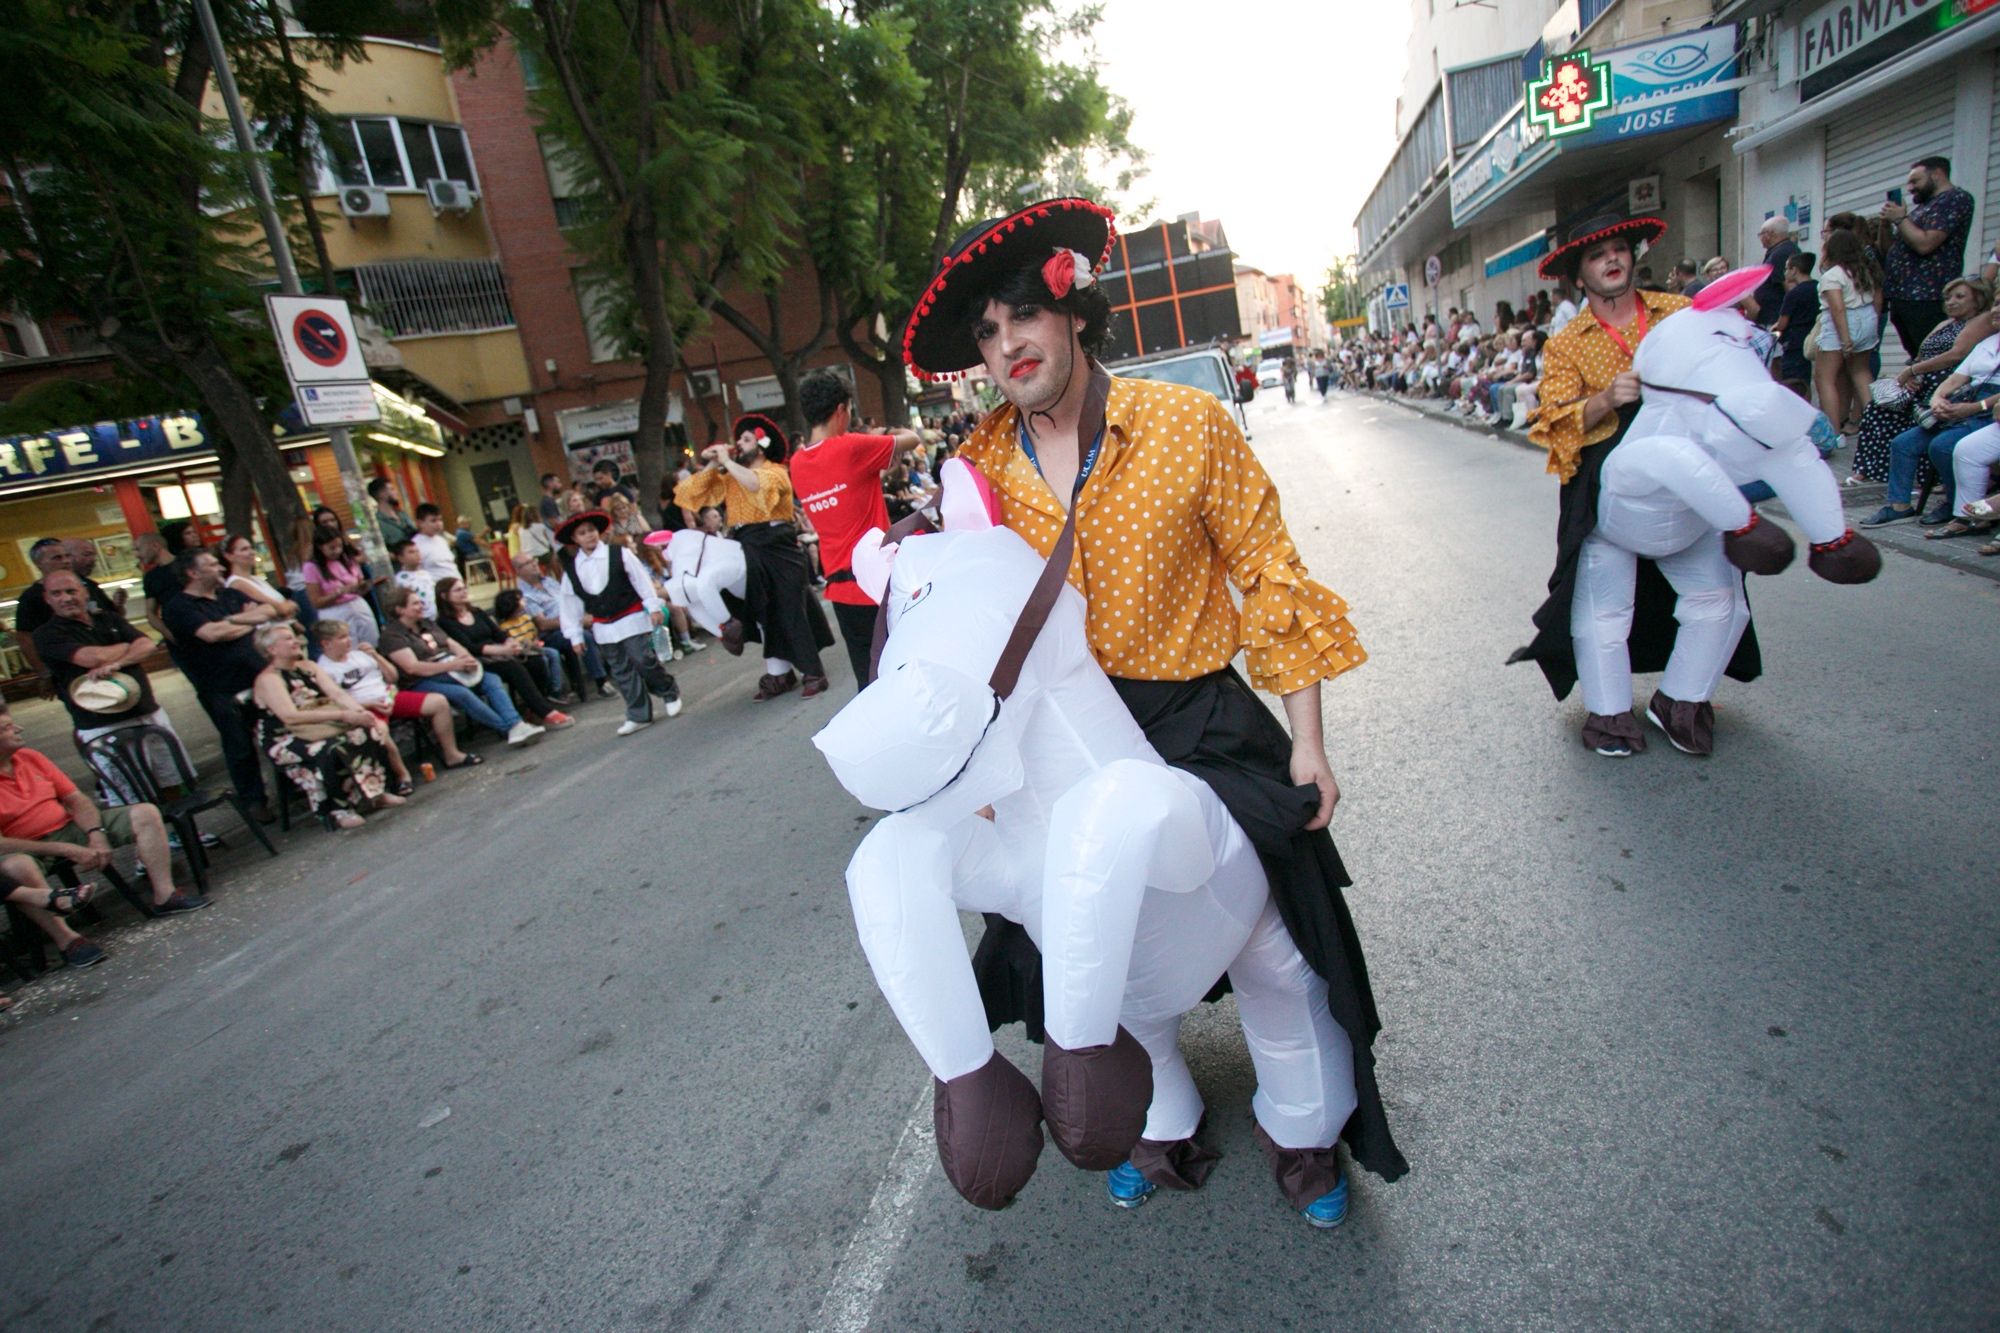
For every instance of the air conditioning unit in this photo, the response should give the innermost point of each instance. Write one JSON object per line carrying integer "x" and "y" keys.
{"x": 704, "y": 383}
{"x": 363, "y": 201}
{"x": 451, "y": 196}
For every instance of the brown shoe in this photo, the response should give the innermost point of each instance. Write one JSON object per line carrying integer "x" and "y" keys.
{"x": 1690, "y": 726}
{"x": 770, "y": 687}
{"x": 1615, "y": 736}
{"x": 732, "y": 637}
{"x": 812, "y": 687}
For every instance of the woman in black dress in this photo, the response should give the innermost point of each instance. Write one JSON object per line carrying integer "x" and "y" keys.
{"x": 496, "y": 650}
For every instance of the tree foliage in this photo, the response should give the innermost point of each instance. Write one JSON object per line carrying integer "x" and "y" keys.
{"x": 117, "y": 184}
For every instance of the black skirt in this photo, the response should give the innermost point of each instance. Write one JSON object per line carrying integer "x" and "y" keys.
{"x": 1216, "y": 728}
{"x": 778, "y": 608}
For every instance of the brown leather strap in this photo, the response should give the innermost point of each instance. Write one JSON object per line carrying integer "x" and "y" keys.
{"x": 1007, "y": 672}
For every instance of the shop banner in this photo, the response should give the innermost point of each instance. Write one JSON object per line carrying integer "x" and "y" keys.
{"x": 108, "y": 446}
{"x": 1835, "y": 31}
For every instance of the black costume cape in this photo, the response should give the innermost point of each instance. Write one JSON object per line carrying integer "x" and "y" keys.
{"x": 1653, "y": 623}
{"x": 1215, "y": 728}
{"x": 777, "y": 607}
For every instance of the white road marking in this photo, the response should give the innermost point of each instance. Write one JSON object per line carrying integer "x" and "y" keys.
{"x": 865, "y": 1265}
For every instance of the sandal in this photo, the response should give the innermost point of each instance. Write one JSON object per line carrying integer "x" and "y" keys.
{"x": 1991, "y": 548}
{"x": 465, "y": 761}
{"x": 1958, "y": 527}
{"x": 64, "y": 901}
{"x": 343, "y": 819}
{"x": 405, "y": 788}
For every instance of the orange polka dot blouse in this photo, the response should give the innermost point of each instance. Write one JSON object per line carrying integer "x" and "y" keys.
{"x": 1175, "y": 510}
{"x": 1579, "y": 363}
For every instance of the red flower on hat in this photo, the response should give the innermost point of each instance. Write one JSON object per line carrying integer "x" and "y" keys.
{"x": 1060, "y": 272}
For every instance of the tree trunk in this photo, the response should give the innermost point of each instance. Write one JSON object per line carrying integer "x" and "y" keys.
{"x": 649, "y": 450}
{"x": 242, "y": 440}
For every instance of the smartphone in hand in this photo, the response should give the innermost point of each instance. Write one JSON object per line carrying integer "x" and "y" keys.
{"x": 1896, "y": 195}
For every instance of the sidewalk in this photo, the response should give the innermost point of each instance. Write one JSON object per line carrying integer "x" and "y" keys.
{"x": 1859, "y": 501}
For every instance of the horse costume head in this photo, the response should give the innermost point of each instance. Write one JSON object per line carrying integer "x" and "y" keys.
{"x": 932, "y": 736}
{"x": 1705, "y": 363}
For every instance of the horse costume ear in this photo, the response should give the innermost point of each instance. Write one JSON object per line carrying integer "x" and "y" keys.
{"x": 967, "y": 503}
{"x": 871, "y": 564}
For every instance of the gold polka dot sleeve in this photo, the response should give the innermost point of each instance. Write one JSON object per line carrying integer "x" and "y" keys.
{"x": 1295, "y": 631}
{"x": 1558, "y": 424}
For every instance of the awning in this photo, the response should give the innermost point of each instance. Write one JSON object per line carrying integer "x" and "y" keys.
{"x": 1519, "y": 253}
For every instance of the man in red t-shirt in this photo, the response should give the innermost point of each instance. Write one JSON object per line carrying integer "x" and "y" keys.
{"x": 837, "y": 477}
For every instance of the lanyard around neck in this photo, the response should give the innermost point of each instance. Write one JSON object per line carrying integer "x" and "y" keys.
{"x": 1083, "y": 469}
{"x": 1637, "y": 333}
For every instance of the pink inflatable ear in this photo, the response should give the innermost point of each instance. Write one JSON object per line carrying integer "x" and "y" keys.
{"x": 968, "y": 503}
{"x": 871, "y": 564}
{"x": 1731, "y": 287}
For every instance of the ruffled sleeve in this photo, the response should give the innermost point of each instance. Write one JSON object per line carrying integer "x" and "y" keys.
{"x": 1558, "y": 424}
{"x": 699, "y": 491}
{"x": 1295, "y": 631}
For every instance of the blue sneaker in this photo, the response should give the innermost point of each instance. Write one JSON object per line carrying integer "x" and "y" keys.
{"x": 1129, "y": 1189}
{"x": 1329, "y": 1210}
{"x": 1888, "y": 514}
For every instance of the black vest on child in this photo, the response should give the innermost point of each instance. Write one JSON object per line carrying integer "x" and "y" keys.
{"x": 619, "y": 598}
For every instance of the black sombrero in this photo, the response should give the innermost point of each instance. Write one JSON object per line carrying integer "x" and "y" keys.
{"x": 596, "y": 518}
{"x": 1580, "y": 235}
{"x": 772, "y": 438}
{"x": 937, "y": 342}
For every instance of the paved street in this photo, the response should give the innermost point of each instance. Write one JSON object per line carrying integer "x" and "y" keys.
{"x": 1669, "y": 1041}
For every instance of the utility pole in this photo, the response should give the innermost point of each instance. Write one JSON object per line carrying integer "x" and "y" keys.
{"x": 372, "y": 549}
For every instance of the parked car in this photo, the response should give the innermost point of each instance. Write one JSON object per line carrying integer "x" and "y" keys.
{"x": 1271, "y": 375}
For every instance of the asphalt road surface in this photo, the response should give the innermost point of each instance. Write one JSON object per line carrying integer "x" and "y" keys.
{"x": 584, "y": 1040}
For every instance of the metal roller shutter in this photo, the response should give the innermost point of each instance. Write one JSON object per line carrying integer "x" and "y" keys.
{"x": 1989, "y": 225}
{"x": 1867, "y": 156}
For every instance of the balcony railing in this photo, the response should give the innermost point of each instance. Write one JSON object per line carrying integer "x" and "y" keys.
{"x": 417, "y": 297}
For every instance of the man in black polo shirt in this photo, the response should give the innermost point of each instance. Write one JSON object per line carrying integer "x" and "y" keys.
{"x": 212, "y": 626}
{"x": 32, "y": 612}
{"x": 81, "y": 643}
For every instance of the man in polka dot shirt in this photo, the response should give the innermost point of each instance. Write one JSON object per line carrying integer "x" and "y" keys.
{"x": 1171, "y": 510}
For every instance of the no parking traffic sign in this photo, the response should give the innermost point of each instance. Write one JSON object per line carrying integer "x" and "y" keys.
{"x": 323, "y": 360}
{"x": 316, "y": 335}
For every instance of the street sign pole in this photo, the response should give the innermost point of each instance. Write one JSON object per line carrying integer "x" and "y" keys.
{"x": 372, "y": 549}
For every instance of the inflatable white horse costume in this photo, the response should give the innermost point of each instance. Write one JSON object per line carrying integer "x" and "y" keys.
{"x": 1130, "y": 876}
{"x": 701, "y": 567}
{"x": 1712, "y": 421}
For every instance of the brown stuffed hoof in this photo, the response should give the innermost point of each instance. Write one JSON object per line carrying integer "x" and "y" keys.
{"x": 1850, "y": 559}
{"x": 989, "y": 1132}
{"x": 1303, "y": 1174}
{"x": 1759, "y": 547}
{"x": 1179, "y": 1164}
{"x": 1095, "y": 1099}
{"x": 1690, "y": 726}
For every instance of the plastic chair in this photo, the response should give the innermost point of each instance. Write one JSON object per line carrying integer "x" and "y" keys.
{"x": 125, "y": 750}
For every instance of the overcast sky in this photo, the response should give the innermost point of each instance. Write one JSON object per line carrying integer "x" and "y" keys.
{"x": 1276, "y": 116}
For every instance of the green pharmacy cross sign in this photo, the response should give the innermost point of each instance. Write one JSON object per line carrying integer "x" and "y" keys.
{"x": 1570, "y": 93}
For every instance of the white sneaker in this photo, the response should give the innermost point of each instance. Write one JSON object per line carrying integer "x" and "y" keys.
{"x": 628, "y": 727}
{"x": 674, "y": 707}
{"x": 523, "y": 733}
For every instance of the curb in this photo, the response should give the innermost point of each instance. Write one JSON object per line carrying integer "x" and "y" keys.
{"x": 1858, "y": 502}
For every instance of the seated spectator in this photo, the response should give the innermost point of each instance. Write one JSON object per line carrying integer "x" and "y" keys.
{"x": 411, "y": 574}
{"x": 544, "y": 663}
{"x": 213, "y": 624}
{"x": 370, "y": 679}
{"x": 24, "y": 888}
{"x": 426, "y": 658}
{"x": 96, "y": 659}
{"x": 44, "y": 816}
{"x": 464, "y": 546}
{"x": 500, "y": 655}
{"x": 239, "y": 557}
{"x": 333, "y": 750}
{"x": 338, "y": 588}
{"x": 1969, "y": 483}
{"x": 1797, "y": 313}
{"x": 1956, "y": 408}
{"x": 31, "y": 612}
{"x": 1969, "y": 320}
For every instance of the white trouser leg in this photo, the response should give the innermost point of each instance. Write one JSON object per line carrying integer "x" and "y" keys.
{"x": 1600, "y": 624}
{"x": 1175, "y": 1112}
{"x": 1712, "y": 610}
{"x": 1305, "y": 1063}
{"x": 776, "y": 666}
{"x": 1972, "y": 461}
